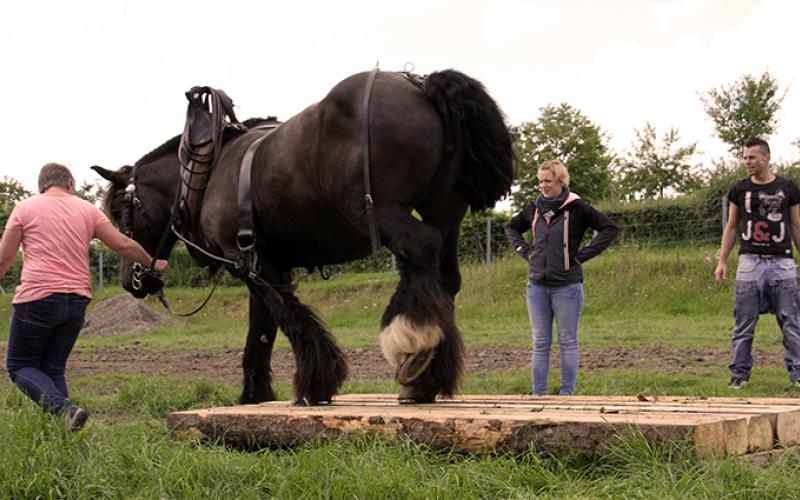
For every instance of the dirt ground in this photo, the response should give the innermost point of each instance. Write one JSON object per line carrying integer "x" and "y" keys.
{"x": 368, "y": 363}
{"x": 365, "y": 363}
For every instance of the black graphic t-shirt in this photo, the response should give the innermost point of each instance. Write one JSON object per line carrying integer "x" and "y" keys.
{"x": 764, "y": 220}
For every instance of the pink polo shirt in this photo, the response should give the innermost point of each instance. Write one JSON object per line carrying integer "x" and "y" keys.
{"x": 56, "y": 231}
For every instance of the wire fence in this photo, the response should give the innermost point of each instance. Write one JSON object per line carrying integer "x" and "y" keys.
{"x": 482, "y": 240}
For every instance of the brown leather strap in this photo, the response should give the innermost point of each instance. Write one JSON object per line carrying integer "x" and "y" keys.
{"x": 374, "y": 235}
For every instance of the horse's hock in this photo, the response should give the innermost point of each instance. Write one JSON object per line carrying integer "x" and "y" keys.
{"x": 122, "y": 315}
{"x": 713, "y": 426}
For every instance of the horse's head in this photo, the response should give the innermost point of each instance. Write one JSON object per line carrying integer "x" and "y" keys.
{"x": 138, "y": 202}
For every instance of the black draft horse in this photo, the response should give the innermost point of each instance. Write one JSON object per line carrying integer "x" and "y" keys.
{"x": 437, "y": 146}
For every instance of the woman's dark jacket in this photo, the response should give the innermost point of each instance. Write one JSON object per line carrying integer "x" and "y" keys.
{"x": 554, "y": 258}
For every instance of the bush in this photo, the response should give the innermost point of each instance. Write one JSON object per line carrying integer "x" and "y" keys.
{"x": 692, "y": 219}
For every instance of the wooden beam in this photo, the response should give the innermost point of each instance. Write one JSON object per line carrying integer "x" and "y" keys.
{"x": 483, "y": 423}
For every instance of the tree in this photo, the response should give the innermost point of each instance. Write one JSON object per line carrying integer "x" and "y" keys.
{"x": 565, "y": 134}
{"x": 11, "y": 191}
{"x": 746, "y": 108}
{"x": 91, "y": 191}
{"x": 649, "y": 169}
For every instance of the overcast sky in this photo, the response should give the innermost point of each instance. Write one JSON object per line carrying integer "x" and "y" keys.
{"x": 102, "y": 82}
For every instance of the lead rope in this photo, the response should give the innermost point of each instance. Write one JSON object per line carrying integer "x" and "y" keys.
{"x": 163, "y": 299}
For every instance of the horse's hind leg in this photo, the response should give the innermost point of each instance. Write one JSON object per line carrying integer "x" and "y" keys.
{"x": 419, "y": 337}
{"x": 257, "y": 356}
{"x": 321, "y": 365}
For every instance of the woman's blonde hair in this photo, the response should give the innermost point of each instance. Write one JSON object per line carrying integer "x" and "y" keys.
{"x": 558, "y": 169}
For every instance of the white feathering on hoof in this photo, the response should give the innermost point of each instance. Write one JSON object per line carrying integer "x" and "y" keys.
{"x": 403, "y": 338}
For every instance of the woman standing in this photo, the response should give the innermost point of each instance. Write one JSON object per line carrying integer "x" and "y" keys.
{"x": 557, "y": 220}
{"x": 55, "y": 228}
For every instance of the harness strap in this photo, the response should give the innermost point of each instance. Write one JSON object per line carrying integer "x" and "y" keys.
{"x": 245, "y": 238}
{"x": 374, "y": 236}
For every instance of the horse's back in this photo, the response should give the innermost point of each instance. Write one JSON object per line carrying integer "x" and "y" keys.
{"x": 308, "y": 176}
{"x": 405, "y": 139}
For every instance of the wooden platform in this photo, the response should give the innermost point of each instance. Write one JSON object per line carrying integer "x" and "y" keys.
{"x": 721, "y": 426}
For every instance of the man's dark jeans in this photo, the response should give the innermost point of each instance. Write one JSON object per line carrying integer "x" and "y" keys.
{"x": 40, "y": 340}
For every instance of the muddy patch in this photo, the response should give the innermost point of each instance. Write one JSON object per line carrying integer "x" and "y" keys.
{"x": 368, "y": 363}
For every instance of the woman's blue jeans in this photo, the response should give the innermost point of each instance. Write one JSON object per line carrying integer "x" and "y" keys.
{"x": 40, "y": 340}
{"x": 564, "y": 303}
{"x": 765, "y": 286}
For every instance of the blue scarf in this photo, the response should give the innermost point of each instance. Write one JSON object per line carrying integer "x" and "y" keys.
{"x": 549, "y": 206}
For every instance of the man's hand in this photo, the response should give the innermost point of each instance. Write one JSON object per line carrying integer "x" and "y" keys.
{"x": 721, "y": 273}
{"x": 161, "y": 266}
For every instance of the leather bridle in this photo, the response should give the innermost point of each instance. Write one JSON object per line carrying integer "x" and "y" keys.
{"x": 132, "y": 203}
{"x": 247, "y": 260}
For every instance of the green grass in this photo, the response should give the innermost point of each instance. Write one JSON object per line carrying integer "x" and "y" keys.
{"x": 635, "y": 298}
{"x": 126, "y": 452}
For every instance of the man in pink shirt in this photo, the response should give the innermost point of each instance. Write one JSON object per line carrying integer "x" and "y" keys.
{"x": 55, "y": 228}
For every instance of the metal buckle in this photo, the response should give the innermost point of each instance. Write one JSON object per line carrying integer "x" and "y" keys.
{"x": 137, "y": 272}
{"x": 245, "y": 240}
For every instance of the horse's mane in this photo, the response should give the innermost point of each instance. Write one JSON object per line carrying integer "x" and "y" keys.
{"x": 171, "y": 145}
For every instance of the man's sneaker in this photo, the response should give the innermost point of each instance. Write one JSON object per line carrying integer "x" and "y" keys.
{"x": 76, "y": 418}
{"x": 737, "y": 383}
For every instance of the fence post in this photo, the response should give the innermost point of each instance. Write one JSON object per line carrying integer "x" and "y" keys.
{"x": 100, "y": 266}
{"x": 394, "y": 264}
{"x": 488, "y": 240}
{"x": 724, "y": 211}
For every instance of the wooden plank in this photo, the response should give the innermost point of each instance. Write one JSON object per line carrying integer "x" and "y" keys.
{"x": 580, "y": 399}
{"x": 761, "y": 433}
{"x": 467, "y": 434}
{"x": 715, "y": 426}
{"x": 787, "y": 429}
{"x": 767, "y": 457}
{"x": 279, "y": 423}
{"x": 600, "y": 408}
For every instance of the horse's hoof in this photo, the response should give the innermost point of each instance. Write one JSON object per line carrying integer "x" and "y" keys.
{"x": 311, "y": 402}
{"x": 409, "y": 397}
{"x": 413, "y": 366}
{"x": 413, "y": 401}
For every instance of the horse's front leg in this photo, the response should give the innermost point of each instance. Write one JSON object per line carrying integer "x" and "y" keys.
{"x": 448, "y": 260}
{"x": 321, "y": 367}
{"x": 261, "y": 333}
{"x": 419, "y": 337}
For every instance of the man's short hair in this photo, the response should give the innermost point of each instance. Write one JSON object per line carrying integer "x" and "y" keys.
{"x": 757, "y": 141}
{"x": 559, "y": 170}
{"x": 55, "y": 174}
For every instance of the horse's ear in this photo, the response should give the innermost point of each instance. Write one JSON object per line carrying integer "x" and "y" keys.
{"x": 115, "y": 177}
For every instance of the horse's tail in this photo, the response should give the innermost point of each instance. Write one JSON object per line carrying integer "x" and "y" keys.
{"x": 476, "y": 128}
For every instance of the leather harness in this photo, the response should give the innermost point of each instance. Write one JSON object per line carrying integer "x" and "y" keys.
{"x": 374, "y": 235}
{"x": 198, "y": 153}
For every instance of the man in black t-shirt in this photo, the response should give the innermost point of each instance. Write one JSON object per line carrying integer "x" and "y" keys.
{"x": 765, "y": 212}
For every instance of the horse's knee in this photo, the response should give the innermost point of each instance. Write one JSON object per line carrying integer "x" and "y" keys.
{"x": 419, "y": 249}
{"x": 451, "y": 282}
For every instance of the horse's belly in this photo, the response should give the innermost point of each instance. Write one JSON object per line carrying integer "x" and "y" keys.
{"x": 315, "y": 242}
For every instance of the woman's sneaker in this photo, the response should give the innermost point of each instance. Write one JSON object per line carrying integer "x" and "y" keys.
{"x": 76, "y": 418}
